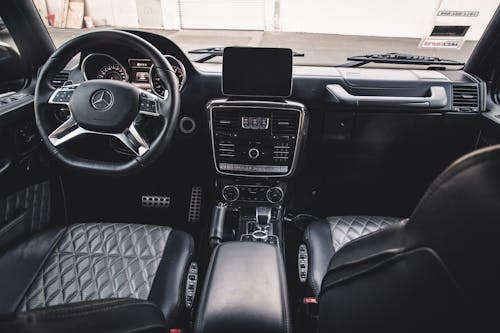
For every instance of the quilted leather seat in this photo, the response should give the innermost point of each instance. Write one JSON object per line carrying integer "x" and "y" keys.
{"x": 324, "y": 238}
{"x": 438, "y": 271}
{"x": 97, "y": 261}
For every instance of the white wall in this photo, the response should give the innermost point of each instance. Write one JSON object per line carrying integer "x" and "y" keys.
{"x": 121, "y": 13}
{"x": 171, "y": 14}
{"x": 390, "y": 18}
{"x": 486, "y": 10}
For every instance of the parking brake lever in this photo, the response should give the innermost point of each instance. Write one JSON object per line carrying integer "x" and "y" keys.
{"x": 217, "y": 226}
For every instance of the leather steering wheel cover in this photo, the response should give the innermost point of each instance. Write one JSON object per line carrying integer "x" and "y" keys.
{"x": 169, "y": 108}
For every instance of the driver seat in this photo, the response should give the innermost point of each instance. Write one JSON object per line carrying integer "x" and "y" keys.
{"x": 90, "y": 265}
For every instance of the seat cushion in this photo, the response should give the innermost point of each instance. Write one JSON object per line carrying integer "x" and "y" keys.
{"x": 94, "y": 261}
{"x": 325, "y": 237}
{"x": 116, "y": 315}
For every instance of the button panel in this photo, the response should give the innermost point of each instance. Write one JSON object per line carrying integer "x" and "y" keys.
{"x": 191, "y": 284}
{"x": 62, "y": 96}
{"x": 257, "y": 141}
{"x": 148, "y": 104}
{"x": 303, "y": 263}
{"x": 252, "y": 193}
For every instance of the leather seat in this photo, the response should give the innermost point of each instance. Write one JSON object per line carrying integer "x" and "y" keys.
{"x": 438, "y": 271}
{"x": 325, "y": 237}
{"x": 97, "y": 261}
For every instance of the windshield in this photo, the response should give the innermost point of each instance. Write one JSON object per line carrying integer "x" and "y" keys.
{"x": 326, "y": 32}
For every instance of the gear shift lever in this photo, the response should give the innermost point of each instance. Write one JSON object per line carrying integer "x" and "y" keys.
{"x": 263, "y": 215}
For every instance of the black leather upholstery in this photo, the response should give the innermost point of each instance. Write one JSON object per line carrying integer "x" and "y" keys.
{"x": 324, "y": 238}
{"x": 438, "y": 271}
{"x": 96, "y": 261}
{"x": 106, "y": 316}
{"x": 245, "y": 290}
{"x": 24, "y": 213}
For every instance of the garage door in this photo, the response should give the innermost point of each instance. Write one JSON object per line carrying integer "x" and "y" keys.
{"x": 223, "y": 14}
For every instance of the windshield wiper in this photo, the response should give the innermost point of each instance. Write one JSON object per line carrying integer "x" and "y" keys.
{"x": 212, "y": 52}
{"x": 399, "y": 58}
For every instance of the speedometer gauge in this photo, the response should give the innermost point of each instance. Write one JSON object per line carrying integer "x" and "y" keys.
{"x": 112, "y": 72}
{"x": 180, "y": 73}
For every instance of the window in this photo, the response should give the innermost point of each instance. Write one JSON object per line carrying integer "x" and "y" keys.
{"x": 326, "y": 31}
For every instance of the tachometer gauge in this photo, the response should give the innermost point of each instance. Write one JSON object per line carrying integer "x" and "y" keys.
{"x": 179, "y": 70}
{"x": 112, "y": 72}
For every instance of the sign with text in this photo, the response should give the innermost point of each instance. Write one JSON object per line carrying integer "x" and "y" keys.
{"x": 458, "y": 13}
{"x": 441, "y": 43}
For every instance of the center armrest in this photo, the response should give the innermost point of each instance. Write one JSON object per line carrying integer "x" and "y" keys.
{"x": 244, "y": 291}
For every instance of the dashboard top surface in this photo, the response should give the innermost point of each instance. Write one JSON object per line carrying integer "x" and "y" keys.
{"x": 203, "y": 80}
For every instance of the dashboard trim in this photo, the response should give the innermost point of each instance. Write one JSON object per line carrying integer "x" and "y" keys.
{"x": 286, "y": 105}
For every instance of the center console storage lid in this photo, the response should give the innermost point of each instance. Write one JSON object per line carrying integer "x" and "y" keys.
{"x": 244, "y": 291}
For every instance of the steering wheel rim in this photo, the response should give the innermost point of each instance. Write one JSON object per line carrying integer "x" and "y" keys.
{"x": 165, "y": 108}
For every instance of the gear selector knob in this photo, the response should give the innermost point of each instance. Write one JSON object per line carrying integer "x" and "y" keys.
{"x": 263, "y": 215}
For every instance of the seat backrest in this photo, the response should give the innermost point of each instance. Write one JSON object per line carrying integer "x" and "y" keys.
{"x": 437, "y": 271}
{"x": 459, "y": 219}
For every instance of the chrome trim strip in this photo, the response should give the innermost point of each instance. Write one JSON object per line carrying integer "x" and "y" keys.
{"x": 286, "y": 105}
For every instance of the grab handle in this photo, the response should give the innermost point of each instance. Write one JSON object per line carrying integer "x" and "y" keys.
{"x": 437, "y": 99}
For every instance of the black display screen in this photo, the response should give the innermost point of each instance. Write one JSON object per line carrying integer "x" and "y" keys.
{"x": 257, "y": 71}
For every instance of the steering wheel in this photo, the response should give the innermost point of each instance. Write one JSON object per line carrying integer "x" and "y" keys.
{"x": 106, "y": 107}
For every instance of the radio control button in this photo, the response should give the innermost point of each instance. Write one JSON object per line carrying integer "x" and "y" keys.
{"x": 253, "y": 153}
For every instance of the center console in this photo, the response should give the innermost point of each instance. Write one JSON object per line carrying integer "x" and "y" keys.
{"x": 256, "y": 148}
{"x": 256, "y": 138}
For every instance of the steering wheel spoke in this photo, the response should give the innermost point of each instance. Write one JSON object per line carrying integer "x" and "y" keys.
{"x": 62, "y": 96}
{"x": 134, "y": 140}
{"x": 65, "y": 132}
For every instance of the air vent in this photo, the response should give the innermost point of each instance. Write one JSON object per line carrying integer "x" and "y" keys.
{"x": 60, "y": 78}
{"x": 465, "y": 98}
{"x": 285, "y": 123}
{"x": 226, "y": 121}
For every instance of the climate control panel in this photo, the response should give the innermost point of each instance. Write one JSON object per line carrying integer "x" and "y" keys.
{"x": 272, "y": 193}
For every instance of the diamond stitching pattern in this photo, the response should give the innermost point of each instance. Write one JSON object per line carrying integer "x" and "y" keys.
{"x": 347, "y": 228}
{"x": 97, "y": 261}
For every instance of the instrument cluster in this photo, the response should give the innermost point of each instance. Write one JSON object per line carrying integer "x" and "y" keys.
{"x": 140, "y": 72}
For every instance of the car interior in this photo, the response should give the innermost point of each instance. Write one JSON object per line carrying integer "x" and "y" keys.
{"x": 142, "y": 191}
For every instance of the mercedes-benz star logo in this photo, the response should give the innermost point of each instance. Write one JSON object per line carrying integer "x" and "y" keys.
{"x": 102, "y": 99}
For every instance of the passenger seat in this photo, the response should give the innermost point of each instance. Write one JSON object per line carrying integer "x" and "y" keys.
{"x": 325, "y": 237}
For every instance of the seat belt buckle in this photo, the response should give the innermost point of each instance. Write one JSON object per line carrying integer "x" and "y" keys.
{"x": 310, "y": 305}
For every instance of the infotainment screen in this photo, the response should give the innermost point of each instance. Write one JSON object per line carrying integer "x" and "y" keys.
{"x": 257, "y": 71}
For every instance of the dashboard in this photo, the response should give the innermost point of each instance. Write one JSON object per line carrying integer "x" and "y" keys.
{"x": 138, "y": 71}
{"x": 342, "y": 110}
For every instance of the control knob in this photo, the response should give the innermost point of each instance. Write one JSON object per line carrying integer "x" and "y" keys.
{"x": 253, "y": 153}
{"x": 230, "y": 193}
{"x": 274, "y": 194}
